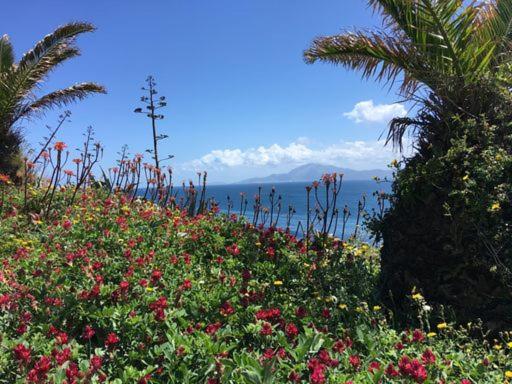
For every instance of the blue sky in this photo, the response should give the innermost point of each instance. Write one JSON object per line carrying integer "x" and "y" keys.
{"x": 241, "y": 100}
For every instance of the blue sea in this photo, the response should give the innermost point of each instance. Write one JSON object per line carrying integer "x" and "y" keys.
{"x": 294, "y": 194}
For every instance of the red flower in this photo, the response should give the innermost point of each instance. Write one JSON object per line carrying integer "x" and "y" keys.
{"x": 266, "y": 329}
{"x": 418, "y": 336}
{"x": 391, "y": 370}
{"x": 124, "y": 285}
{"x": 62, "y": 356}
{"x": 374, "y": 367}
{"x": 355, "y": 361}
{"x": 88, "y": 332}
{"x": 294, "y": 377}
{"x": 67, "y": 224}
{"x": 22, "y": 353}
{"x": 428, "y": 357}
{"x": 291, "y": 330}
{"x": 212, "y": 329}
{"x": 317, "y": 370}
{"x": 268, "y": 314}
{"x": 412, "y": 368}
{"x": 226, "y": 309}
{"x": 60, "y": 146}
{"x": 158, "y": 307}
{"x": 96, "y": 363}
{"x": 155, "y": 276}
{"x": 111, "y": 340}
{"x": 187, "y": 284}
{"x": 62, "y": 338}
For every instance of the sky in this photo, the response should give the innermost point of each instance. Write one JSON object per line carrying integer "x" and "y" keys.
{"x": 241, "y": 100}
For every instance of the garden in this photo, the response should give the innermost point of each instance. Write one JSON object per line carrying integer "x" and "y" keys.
{"x": 118, "y": 292}
{"x": 119, "y": 275}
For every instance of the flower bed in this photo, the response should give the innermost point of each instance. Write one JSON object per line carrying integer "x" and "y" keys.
{"x": 118, "y": 293}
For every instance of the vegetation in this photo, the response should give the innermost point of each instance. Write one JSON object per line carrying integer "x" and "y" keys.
{"x": 114, "y": 291}
{"x": 449, "y": 221}
{"x": 128, "y": 280}
{"x": 20, "y": 81}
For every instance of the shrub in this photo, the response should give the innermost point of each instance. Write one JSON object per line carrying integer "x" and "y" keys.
{"x": 448, "y": 230}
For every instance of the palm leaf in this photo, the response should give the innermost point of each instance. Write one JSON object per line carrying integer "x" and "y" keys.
{"x": 61, "y": 98}
{"x": 495, "y": 25}
{"x": 6, "y": 54}
{"x": 376, "y": 54}
{"x": 17, "y": 85}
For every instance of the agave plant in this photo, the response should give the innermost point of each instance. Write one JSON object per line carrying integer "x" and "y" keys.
{"x": 20, "y": 81}
{"x": 439, "y": 46}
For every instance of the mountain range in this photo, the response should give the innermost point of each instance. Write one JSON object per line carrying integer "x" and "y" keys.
{"x": 311, "y": 172}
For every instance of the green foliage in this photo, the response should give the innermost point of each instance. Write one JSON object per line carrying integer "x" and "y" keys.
{"x": 448, "y": 231}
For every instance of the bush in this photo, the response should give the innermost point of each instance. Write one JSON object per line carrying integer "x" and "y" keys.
{"x": 448, "y": 231}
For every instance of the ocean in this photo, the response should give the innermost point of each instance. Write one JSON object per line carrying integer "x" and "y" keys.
{"x": 294, "y": 194}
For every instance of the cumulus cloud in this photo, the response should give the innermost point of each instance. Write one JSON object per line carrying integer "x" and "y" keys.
{"x": 367, "y": 111}
{"x": 353, "y": 154}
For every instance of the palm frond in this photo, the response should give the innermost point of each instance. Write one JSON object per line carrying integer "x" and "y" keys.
{"x": 46, "y": 55}
{"x": 6, "y": 54}
{"x": 398, "y": 127}
{"x": 495, "y": 26}
{"x": 376, "y": 54}
{"x": 54, "y": 41}
{"x": 18, "y": 84}
{"x": 61, "y": 98}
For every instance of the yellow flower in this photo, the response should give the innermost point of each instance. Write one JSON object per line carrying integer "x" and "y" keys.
{"x": 431, "y": 334}
{"x": 377, "y": 308}
{"x": 508, "y": 374}
{"x": 465, "y": 178}
{"x": 342, "y": 306}
{"x": 497, "y": 347}
{"x": 149, "y": 289}
{"x": 359, "y": 309}
{"x": 394, "y": 162}
{"x": 278, "y": 282}
{"x": 417, "y": 296}
{"x": 442, "y": 326}
{"x": 495, "y": 207}
{"x": 509, "y": 344}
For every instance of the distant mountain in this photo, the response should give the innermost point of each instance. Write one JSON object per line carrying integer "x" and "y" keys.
{"x": 311, "y": 172}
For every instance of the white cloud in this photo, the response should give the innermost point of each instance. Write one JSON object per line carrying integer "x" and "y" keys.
{"x": 367, "y": 111}
{"x": 351, "y": 154}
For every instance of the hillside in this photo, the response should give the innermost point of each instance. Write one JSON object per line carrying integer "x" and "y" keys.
{"x": 314, "y": 171}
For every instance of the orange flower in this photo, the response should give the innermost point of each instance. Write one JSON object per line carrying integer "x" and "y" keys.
{"x": 4, "y": 179}
{"x": 60, "y": 146}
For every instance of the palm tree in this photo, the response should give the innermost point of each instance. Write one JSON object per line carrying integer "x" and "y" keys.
{"x": 437, "y": 46}
{"x": 441, "y": 234}
{"x": 20, "y": 81}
